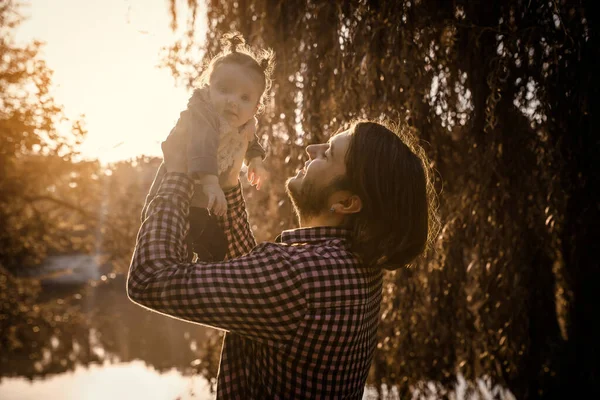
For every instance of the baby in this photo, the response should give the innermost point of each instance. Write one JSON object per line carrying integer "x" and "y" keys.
{"x": 220, "y": 119}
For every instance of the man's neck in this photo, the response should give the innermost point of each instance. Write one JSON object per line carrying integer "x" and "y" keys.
{"x": 327, "y": 219}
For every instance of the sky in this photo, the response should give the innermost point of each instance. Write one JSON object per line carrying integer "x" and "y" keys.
{"x": 105, "y": 57}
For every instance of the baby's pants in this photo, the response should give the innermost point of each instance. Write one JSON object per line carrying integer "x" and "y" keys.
{"x": 205, "y": 238}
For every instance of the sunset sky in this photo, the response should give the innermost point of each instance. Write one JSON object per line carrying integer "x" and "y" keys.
{"x": 105, "y": 55}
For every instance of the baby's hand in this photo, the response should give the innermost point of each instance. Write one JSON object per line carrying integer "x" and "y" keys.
{"x": 217, "y": 203}
{"x": 249, "y": 128}
{"x": 257, "y": 173}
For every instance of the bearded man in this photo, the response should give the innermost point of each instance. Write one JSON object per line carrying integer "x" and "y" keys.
{"x": 302, "y": 312}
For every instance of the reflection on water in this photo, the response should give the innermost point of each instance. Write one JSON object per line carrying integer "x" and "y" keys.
{"x": 98, "y": 340}
{"x": 135, "y": 380}
{"x": 126, "y": 381}
{"x": 118, "y": 350}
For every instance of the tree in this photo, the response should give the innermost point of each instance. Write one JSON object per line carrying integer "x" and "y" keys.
{"x": 33, "y": 150}
{"x": 501, "y": 95}
{"x": 48, "y": 203}
{"x": 52, "y": 202}
{"x": 36, "y": 161}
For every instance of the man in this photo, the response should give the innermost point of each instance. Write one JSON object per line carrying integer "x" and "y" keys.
{"x": 301, "y": 313}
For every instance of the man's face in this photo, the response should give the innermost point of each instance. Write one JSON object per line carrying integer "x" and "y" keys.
{"x": 312, "y": 186}
{"x": 235, "y": 91}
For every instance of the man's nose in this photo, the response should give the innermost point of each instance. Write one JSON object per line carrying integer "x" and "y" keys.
{"x": 312, "y": 150}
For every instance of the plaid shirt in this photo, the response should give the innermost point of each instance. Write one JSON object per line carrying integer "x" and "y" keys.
{"x": 301, "y": 313}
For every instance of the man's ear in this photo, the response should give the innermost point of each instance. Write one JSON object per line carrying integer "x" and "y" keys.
{"x": 351, "y": 204}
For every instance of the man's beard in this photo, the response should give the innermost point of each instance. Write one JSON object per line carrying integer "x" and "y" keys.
{"x": 309, "y": 200}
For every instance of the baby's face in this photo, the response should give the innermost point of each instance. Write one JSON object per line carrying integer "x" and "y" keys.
{"x": 235, "y": 91}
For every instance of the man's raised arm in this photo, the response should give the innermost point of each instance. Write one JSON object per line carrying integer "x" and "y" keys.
{"x": 258, "y": 295}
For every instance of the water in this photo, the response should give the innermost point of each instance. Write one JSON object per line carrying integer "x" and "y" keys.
{"x": 132, "y": 380}
{"x": 120, "y": 350}
{"x": 127, "y": 352}
{"x": 135, "y": 380}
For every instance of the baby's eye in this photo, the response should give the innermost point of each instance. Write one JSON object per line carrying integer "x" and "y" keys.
{"x": 246, "y": 97}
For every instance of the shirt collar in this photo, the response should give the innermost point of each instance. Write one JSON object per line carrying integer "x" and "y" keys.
{"x": 315, "y": 234}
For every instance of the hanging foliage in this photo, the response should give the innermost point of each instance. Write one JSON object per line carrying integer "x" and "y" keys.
{"x": 501, "y": 96}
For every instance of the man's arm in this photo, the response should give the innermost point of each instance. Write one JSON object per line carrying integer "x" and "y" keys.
{"x": 235, "y": 224}
{"x": 258, "y": 295}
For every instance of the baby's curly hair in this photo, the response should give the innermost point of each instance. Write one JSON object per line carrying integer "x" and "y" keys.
{"x": 236, "y": 51}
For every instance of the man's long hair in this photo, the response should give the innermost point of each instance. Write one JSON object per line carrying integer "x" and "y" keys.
{"x": 389, "y": 171}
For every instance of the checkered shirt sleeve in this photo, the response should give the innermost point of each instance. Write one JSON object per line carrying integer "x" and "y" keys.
{"x": 255, "y": 292}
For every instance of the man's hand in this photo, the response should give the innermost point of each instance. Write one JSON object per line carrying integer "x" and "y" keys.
{"x": 257, "y": 173}
{"x": 174, "y": 149}
{"x": 217, "y": 203}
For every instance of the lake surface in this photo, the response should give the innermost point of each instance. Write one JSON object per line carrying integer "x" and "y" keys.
{"x": 126, "y": 352}
{"x": 123, "y": 381}
{"x": 121, "y": 350}
{"x": 132, "y": 380}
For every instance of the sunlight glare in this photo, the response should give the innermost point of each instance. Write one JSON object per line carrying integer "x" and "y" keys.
{"x": 105, "y": 56}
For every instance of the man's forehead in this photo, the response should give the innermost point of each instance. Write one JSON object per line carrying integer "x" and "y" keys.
{"x": 339, "y": 135}
{"x": 338, "y": 144}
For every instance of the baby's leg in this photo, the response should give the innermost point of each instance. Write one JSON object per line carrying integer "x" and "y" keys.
{"x": 207, "y": 239}
{"x": 197, "y": 218}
